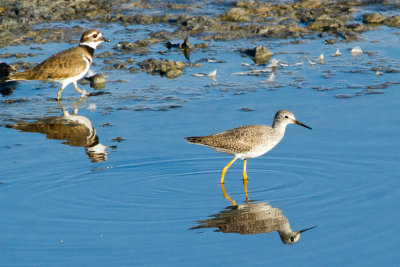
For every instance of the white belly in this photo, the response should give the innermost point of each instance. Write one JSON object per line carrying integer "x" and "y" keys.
{"x": 69, "y": 80}
{"x": 260, "y": 149}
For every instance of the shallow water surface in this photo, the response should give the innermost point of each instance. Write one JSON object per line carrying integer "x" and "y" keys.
{"x": 115, "y": 183}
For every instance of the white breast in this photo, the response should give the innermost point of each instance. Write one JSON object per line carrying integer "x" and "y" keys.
{"x": 261, "y": 148}
{"x": 69, "y": 80}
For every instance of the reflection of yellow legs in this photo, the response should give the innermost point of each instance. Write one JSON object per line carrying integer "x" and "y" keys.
{"x": 226, "y": 195}
{"x": 226, "y": 168}
{"x": 245, "y": 188}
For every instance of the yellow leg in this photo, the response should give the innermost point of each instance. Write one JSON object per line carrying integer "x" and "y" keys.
{"x": 226, "y": 195}
{"x": 244, "y": 170}
{"x": 225, "y": 169}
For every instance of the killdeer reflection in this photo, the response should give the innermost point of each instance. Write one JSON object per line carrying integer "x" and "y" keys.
{"x": 67, "y": 66}
{"x": 251, "y": 218}
{"x": 76, "y": 130}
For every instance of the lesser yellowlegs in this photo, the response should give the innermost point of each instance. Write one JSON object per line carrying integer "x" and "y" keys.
{"x": 248, "y": 141}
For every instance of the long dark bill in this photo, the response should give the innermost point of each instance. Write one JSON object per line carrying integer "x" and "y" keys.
{"x": 302, "y": 231}
{"x": 301, "y": 124}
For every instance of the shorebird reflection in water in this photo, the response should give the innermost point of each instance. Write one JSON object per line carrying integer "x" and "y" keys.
{"x": 186, "y": 47}
{"x": 248, "y": 141}
{"x": 76, "y": 130}
{"x": 251, "y": 218}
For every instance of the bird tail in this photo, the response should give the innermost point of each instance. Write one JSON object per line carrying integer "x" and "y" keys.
{"x": 9, "y": 79}
{"x": 20, "y": 76}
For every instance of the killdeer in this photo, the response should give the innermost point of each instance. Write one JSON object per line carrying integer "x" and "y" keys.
{"x": 67, "y": 66}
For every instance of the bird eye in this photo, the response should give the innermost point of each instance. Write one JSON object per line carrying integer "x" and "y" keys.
{"x": 286, "y": 117}
{"x": 291, "y": 239}
{"x": 95, "y": 35}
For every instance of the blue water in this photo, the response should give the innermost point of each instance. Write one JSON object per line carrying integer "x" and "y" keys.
{"x": 58, "y": 208}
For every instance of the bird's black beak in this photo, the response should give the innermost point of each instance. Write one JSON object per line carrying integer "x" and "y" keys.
{"x": 105, "y": 39}
{"x": 302, "y": 231}
{"x": 301, "y": 124}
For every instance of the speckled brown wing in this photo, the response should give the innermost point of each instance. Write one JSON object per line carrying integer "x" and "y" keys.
{"x": 237, "y": 140}
{"x": 67, "y": 63}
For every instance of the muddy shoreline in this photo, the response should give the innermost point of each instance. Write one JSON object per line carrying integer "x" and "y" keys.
{"x": 333, "y": 21}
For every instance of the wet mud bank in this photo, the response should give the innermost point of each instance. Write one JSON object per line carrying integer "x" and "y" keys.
{"x": 342, "y": 20}
{"x": 333, "y": 21}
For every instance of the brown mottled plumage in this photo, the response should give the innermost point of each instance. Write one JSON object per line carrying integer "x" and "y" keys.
{"x": 248, "y": 141}
{"x": 234, "y": 141}
{"x": 67, "y": 66}
{"x": 59, "y": 66}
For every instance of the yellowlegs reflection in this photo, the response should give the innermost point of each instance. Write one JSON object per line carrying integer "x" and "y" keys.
{"x": 251, "y": 218}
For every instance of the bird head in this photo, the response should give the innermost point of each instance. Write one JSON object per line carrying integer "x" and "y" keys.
{"x": 92, "y": 38}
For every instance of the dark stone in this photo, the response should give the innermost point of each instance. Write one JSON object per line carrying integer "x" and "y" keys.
{"x": 259, "y": 54}
{"x": 169, "y": 68}
{"x": 373, "y": 18}
{"x": 393, "y": 21}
